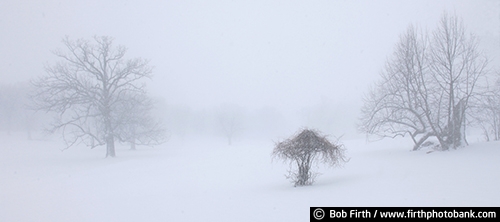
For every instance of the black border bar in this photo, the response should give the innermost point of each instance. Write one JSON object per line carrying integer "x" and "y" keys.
{"x": 405, "y": 213}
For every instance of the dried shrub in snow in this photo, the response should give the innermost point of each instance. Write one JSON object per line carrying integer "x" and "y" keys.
{"x": 305, "y": 148}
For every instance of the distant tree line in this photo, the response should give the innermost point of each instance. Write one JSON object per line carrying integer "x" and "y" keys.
{"x": 15, "y": 113}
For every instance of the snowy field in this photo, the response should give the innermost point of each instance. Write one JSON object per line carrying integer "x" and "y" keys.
{"x": 204, "y": 179}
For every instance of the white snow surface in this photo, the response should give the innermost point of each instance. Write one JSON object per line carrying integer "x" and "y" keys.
{"x": 204, "y": 179}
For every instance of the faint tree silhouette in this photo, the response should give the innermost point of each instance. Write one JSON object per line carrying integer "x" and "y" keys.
{"x": 93, "y": 89}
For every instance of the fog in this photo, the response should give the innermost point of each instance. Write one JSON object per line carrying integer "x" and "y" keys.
{"x": 297, "y": 63}
{"x": 231, "y": 80}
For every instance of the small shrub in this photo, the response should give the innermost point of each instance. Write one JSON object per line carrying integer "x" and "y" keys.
{"x": 303, "y": 150}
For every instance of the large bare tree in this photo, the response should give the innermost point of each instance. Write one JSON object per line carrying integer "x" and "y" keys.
{"x": 456, "y": 67}
{"x": 427, "y": 86}
{"x": 89, "y": 88}
{"x": 396, "y": 106}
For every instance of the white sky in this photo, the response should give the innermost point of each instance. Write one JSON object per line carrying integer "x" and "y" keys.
{"x": 285, "y": 54}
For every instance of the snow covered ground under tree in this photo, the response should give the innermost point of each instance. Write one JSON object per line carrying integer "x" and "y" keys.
{"x": 204, "y": 179}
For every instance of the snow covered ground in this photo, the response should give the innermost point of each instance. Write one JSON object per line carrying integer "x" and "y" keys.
{"x": 204, "y": 179}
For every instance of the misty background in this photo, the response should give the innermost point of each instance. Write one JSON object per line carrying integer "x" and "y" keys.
{"x": 262, "y": 67}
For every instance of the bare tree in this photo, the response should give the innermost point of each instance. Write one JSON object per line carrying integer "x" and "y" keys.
{"x": 396, "y": 106}
{"x": 230, "y": 119}
{"x": 135, "y": 123}
{"x": 88, "y": 88}
{"x": 487, "y": 108}
{"x": 427, "y": 87}
{"x": 304, "y": 149}
{"x": 456, "y": 67}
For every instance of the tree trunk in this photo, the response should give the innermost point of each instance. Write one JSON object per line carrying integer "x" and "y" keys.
{"x": 110, "y": 146}
{"x": 132, "y": 144}
{"x": 458, "y": 126}
{"x": 443, "y": 142}
{"x": 303, "y": 178}
{"x": 132, "y": 138}
{"x": 418, "y": 144}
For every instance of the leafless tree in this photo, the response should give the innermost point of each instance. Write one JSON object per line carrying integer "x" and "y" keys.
{"x": 135, "y": 123}
{"x": 303, "y": 150}
{"x": 88, "y": 87}
{"x": 426, "y": 87}
{"x": 230, "y": 120}
{"x": 397, "y": 105}
{"x": 487, "y": 108}
{"x": 456, "y": 67}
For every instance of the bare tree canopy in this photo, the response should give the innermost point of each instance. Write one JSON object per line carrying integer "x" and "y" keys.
{"x": 427, "y": 86}
{"x": 395, "y": 106}
{"x": 304, "y": 149}
{"x": 90, "y": 89}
